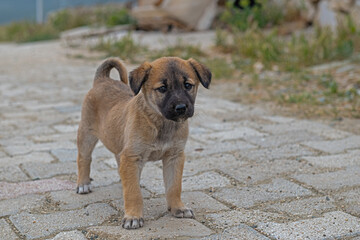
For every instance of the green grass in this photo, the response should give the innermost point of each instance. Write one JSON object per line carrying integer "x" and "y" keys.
{"x": 181, "y": 50}
{"x": 263, "y": 15}
{"x": 26, "y": 31}
{"x": 290, "y": 54}
{"x": 125, "y": 48}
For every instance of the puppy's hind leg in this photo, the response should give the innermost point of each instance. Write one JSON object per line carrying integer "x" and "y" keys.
{"x": 86, "y": 142}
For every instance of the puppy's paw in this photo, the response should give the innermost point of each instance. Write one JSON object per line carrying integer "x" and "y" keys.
{"x": 132, "y": 222}
{"x": 83, "y": 189}
{"x": 183, "y": 213}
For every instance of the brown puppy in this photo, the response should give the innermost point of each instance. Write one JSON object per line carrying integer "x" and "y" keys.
{"x": 140, "y": 126}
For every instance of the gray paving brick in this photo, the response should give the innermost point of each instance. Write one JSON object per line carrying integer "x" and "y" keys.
{"x": 12, "y": 174}
{"x": 12, "y": 190}
{"x": 233, "y": 218}
{"x": 305, "y": 207}
{"x": 282, "y": 152}
{"x": 335, "y": 146}
{"x": 342, "y": 225}
{"x": 104, "y": 178}
{"x": 202, "y": 181}
{"x": 164, "y": 228}
{"x": 290, "y": 137}
{"x": 2, "y": 154}
{"x": 66, "y": 128}
{"x": 279, "y": 119}
{"x": 22, "y": 203}
{"x": 240, "y": 232}
{"x": 41, "y": 225}
{"x": 69, "y": 199}
{"x": 234, "y": 134}
{"x": 350, "y": 201}
{"x": 43, "y": 157}
{"x": 260, "y": 171}
{"x": 6, "y": 232}
{"x": 73, "y": 235}
{"x": 332, "y": 180}
{"x": 47, "y": 170}
{"x": 65, "y": 154}
{"x": 303, "y": 125}
{"x": 351, "y": 158}
{"x": 19, "y": 149}
{"x": 194, "y": 165}
{"x": 42, "y": 138}
{"x": 197, "y": 149}
{"x": 250, "y": 196}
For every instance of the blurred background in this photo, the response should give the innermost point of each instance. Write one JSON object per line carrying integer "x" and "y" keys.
{"x": 297, "y": 57}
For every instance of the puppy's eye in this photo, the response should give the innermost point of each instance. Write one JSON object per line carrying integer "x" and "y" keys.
{"x": 188, "y": 86}
{"x": 162, "y": 89}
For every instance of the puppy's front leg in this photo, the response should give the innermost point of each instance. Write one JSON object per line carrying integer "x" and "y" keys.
{"x": 172, "y": 172}
{"x": 129, "y": 170}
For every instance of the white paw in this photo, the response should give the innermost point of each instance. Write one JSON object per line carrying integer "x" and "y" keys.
{"x": 83, "y": 189}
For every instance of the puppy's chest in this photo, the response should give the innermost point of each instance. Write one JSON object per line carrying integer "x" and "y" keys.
{"x": 160, "y": 149}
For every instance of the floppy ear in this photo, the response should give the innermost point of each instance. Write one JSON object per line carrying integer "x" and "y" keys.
{"x": 202, "y": 72}
{"x": 138, "y": 76}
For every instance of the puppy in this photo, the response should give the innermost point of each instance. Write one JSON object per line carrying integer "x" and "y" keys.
{"x": 146, "y": 121}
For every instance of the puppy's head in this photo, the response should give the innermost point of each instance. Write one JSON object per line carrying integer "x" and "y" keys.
{"x": 170, "y": 84}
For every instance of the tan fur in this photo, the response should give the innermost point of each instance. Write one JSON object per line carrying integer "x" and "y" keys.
{"x": 133, "y": 128}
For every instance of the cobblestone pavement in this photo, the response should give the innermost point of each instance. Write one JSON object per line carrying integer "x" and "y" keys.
{"x": 248, "y": 175}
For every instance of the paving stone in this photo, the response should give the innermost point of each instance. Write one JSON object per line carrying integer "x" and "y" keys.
{"x": 335, "y": 146}
{"x": 351, "y": 158}
{"x": 290, "y": 137}
{"x": 13, "y": 190}
{"x": 66, "y": 128}
{"x": 104, "y": 178}
{"x": 228, "y": 126}
{"x": 237, "y": 133}
{"x": 350, "y": 201}
{"x": 12, "y": 174}
{"x": 41, "y": 225}
{"x": 303, "y": 125}
{"x": 197, "y": 149}
{"x": 305, "y": 207}
{"x": 102, "y": 152}
{"x": 43, "y": 157}
{"x": 240, "y": 232}
{"x": 68, "y": 109}
{"x": 65, "y": 155}
{"x": 260, "y": 171}
{"x": 19, "y": 150}
{"x": 282, "y": 152}
{"x": 153, "y": 207}
{"x": 71, "y": 200}
{"x": 22, "y": 203}
{"x": 47, "y": 170}
{"x": 279, "y": 119}
{"x": 73, "y": 235}
{"x": 332, "y": 180}
{"x": 217, "y": 161}
{"x": 233, "y": 218}
{"x": 163, "y": 228}
{"x": 342, "y": 225}
{"x": 6, "y": 232}
{"x": 250, "y": 196}
{"x": 2, "y": 154}
{"x": 53, "y": 137}
{"x": 202, "y": 181}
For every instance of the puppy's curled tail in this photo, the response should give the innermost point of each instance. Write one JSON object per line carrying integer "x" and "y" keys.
{"x": 104, "y": 69}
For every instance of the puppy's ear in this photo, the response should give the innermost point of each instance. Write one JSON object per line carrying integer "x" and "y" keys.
{"x": 138, "y": 76}
{"x": 202, "y": 72}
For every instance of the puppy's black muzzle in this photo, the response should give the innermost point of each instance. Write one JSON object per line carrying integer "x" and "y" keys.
{"x": 180, "y": 109}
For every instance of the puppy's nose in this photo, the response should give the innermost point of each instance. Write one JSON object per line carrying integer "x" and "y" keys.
{"x": 180, "y": 108}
